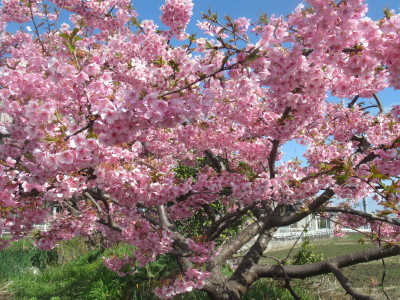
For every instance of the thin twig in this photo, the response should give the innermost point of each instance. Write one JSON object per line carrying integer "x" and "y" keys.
{"x": 202, "y": 78}
{"x": 94, "y": 202}
{"x": 311, "y": 176}
{"x": 297, "y": 240}
{"x": 378, "y": 102}
{"x": 365, "y": 215}
{"x": 234, "y": 34}
{"x": 221, "y": 224}
{"x": 384, "y": 267}
{"x": 371, "y": 186}
{"x": 36, "y": 28}
{"x": 274, "y": 258}
{"x": 359, "y": 231}
{"x": 87, "y": 126}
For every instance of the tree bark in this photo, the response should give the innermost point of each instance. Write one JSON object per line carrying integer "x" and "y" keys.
{"x": 220, "y": 288}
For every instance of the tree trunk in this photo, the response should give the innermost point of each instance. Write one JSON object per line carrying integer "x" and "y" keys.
{"x": 219, "y": 288}
{"x": 223, "y": 292}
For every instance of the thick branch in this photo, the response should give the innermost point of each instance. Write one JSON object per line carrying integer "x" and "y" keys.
{"x": 345, "y": 283}
{"x": 321, "y": 199}
{"x": 210, "y": 212}
{"x": 363, "y": 143}
{"x": 191, "y": 193}
{"x": 162, "y": 214}
{"x": 108, "y": 221}
{"x": 4, "y": 135}
{"x": 272, "y": 157}
{"x": 143, "y": 211}
{"x": 181, "y": 249}
{"x": 252, "y": 257}
{"x": 106, "y": 196}
{"x": 110, "y": 224}
{"x": 221, "y": 224}
{"x": 71, "y": 206}
{"x": 366, "y": 159}
{"x": 319, "y": 268}
{"x": 184, "y": 196}
{"x": 235, "y": 243}
{"x": 215, "y": 162}
{"x": 94, "y": 202}
{"x": 291, "y": 290}
{"x": 351, "y": 104}
{"x": 312, "y": 207}
{"x": 148, "y": 217}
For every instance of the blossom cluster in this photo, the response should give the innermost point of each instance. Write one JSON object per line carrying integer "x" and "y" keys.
{"x": 192, "y": 279}
{"x": 128, "y": 135}
{"x": 176, "y": 14}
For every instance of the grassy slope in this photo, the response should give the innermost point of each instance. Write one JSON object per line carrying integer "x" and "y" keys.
{"x": 85, "y": 277}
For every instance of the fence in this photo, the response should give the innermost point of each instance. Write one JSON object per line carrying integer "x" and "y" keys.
{"x": 295, "y": 234}
{"x": 41, "y": 227}
{"x": 286, "y": 237}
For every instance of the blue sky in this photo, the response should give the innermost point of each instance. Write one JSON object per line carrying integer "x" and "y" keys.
{"x": 149, "y": 9}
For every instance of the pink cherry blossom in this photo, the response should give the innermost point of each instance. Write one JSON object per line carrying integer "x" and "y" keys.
{"x": 178, "y": 147}
{"x": 66, "y": 157}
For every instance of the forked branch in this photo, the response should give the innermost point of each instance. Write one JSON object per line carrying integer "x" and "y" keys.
{"x": 345, "y": 283}
{"x": 324, "y": 267}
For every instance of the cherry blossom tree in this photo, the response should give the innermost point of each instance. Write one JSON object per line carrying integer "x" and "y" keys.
{"x": 136, "y": 133}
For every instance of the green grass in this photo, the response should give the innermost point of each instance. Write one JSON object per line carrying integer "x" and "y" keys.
{"x": 270, "y": 289}
{"x": 22, "y": 255}
{"x": 73, "y": 280}
{"x": 331, "y": 247}
{"x": 79, "y": 273}
{"x": 76, "y": 271}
